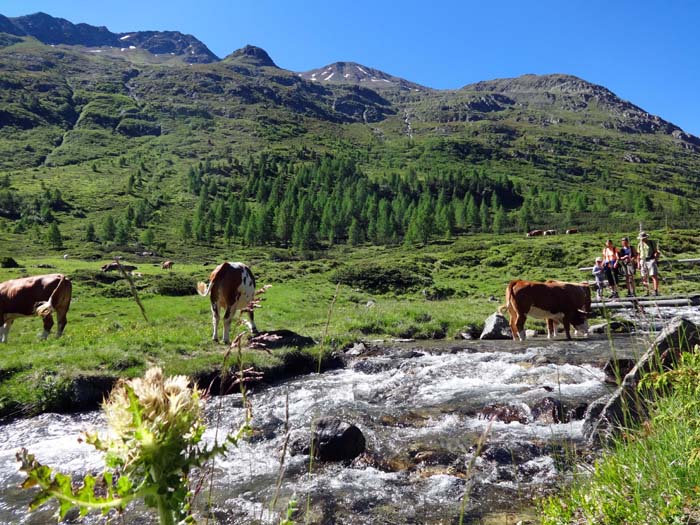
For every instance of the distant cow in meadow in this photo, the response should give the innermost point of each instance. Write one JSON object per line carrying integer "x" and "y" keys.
{"x": 167, "y": 265}
{"x": 39, "y": 295}
{"x": 571, "y": 231}
{"x": 113, "y": 267}
{"x": 231, "y": 287}
{"x": 534, "y": 233}
{"x": 550, "y": 232}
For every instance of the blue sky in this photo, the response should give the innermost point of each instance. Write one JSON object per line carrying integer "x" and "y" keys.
{"x": 645, "y": 51}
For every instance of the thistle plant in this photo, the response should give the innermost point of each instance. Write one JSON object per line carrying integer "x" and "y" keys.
{"x": 154, "y": 441}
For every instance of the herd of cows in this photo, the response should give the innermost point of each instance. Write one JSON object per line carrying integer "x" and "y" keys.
{"x": 231, "y": 287}
{"x": 537, "y": 233}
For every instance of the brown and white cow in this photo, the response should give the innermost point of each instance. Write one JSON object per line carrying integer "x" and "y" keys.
{"x": 113, "y": 267}
{"x": 167, "y": 265}
{"x": 534, "y": 233}
{"x": 550, "y": 232}
{"x": 554, "y": 301}
{"x": 231, "y": 287}
{"x": 38, "y": 295}
{"x": 571, "y": 231}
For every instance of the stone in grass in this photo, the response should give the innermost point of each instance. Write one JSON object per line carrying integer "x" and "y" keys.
{"x": 8, "y": 262}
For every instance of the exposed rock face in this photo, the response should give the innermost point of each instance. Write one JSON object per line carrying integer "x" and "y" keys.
{"x": 52, "y": 30}
{"x": 354, "y": 73}
{"x": 250, "y": 56}
{"x": 496, "y": 326}
{"x": 626, "y": 405}
{"x": 333, "y": 440}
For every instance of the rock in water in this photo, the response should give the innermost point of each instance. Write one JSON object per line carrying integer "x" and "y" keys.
{"x": 496, "y": 326}
{"x": 333, "y": 440}
{"x": 336, "y": 440}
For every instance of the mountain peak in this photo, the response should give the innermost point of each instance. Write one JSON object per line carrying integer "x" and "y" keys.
{"x": 251, "y": 56}
{"x": 52, "y": 30}
{"x": 354, "y": 73}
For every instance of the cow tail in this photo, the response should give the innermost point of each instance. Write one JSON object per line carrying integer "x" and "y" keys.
{"x": 46, "y": 308}
{"x": 509, "y": 293}
{"x": 203, "y": 288}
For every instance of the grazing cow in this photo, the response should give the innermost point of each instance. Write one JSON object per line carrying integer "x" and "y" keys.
{"x": 113, "y": 267}
{"x": 231, "y": 287}
{"x": 571, "y": 231}
{"x": 550, "y": 232}
{"x": 40, "y": 295}
{"x": 534, "y": 233}
{"x": 554, "y": 301}
{"x": 167, "y": 265}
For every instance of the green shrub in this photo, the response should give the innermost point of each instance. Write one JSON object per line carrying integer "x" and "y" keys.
{"x": 377, "y": 278}
{"x": 175, "y": 285}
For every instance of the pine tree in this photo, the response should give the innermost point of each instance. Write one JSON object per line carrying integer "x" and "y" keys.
{"x": 229, "y": 231}
{"x": 471, "y": 212}
{"x": 499, "y": 220}
{"x": 90, "y": 235}
{"x": 54, "y": 236}
{"x": 109, "y": 229}
{"x": 122, "y": 232}
{"x": 484, "y": 216}
{"x": 186, "y": 229}
{"x": 148, "y": 237}
{"x": 355, "y": 233}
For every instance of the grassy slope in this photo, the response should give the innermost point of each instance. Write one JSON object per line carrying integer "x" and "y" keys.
{"x": 648, "y": 475}
{"x": 106, "y": 335}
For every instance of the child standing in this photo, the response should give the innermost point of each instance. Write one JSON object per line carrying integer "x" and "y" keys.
{"x": 599, "y": 273}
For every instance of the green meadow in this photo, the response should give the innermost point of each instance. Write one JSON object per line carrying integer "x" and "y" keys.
{"x": 434, "y": 291}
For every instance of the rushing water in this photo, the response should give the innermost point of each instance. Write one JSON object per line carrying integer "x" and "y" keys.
{"x": 420, "y": 408}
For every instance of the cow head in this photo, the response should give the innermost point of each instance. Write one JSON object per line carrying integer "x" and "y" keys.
{"x": 580, "y": 322}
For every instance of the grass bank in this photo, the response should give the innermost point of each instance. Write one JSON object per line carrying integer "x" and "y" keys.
{"x": 434, "y": 291}
{"x": 650, "y": 475}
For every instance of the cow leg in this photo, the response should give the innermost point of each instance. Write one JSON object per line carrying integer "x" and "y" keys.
{"x": 48, "y": 323}
{"x": 227, "y": 324}
{"x": 3, "y": 336}
{"x": 251, "y": 324}
{"x": 567, "y": 329}
{"x": 62, "y": 320}
{"x": 519, "y": 326}
{"x": 215, "y": 322}
{"x": 513, "y": 325}
{"x": 6, "y": 330}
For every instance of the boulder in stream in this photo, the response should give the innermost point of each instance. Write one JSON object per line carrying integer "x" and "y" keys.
{"x": 615, "y": 327}
{"x": 332, "y": 440}
{"x": 506, "y": 413}
{"x": 496, "y": 326}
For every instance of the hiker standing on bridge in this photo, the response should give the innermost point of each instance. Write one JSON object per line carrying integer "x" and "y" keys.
{"x": 648, "y": 251}
{"x": 628, "y": 262}
{"x": 610, "y": 261}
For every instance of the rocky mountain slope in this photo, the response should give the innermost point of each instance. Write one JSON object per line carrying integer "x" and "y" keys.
{"x": 76, "y": 98}
{"x": 51, "y": 30}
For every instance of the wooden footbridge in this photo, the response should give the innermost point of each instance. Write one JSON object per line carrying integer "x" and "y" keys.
{"x": 642, "y": 301}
